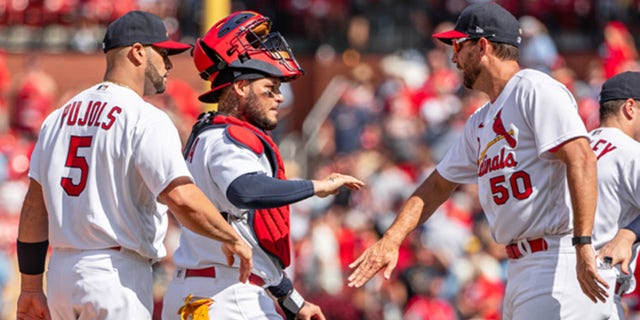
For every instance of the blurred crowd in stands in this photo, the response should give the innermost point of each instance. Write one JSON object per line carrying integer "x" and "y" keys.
{"x": 391, "y": 124}
{"x": 60, "y": 25}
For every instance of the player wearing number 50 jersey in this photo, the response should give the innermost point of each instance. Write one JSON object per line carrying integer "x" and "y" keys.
{"x": 528, "y": 151}
{"x": 104, "y": 169}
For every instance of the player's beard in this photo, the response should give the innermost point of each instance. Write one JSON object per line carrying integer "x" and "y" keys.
{"x": 153, "y": 81}
{"x": 470, "y": 72}
{"x": 255, "y": 114}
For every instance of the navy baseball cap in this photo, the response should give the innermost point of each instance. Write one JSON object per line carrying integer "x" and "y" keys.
{"x": 488, "y": 20}
{"x": 621, "y": 87}
{"x": 141, "y": 27}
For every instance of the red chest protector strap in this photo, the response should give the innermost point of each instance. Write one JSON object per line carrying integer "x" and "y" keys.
{"x": 270, "y": 226}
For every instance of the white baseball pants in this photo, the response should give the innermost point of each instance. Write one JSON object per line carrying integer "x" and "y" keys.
{"x": 544, "y": 285}
{"x": 232, "y": 300}
{"x": 99, "y": 284}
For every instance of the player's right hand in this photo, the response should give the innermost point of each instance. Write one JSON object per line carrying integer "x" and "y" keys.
{"x": 32, "y": 305}
{"x": 619, "y": 249}
{"x": 590, "y": 281}
{"x": 243, "y": 251}
{"x": 383, "y": 253}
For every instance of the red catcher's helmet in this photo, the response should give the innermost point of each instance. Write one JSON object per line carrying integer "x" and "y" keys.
{"x": 241, "y": 46}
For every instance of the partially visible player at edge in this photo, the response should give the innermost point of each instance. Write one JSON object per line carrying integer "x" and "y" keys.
{"x": 239, "y": 167}
{"x": 528, "y": 151}
{"x": 617, "y": 224}
{"x": 104, "y": 169}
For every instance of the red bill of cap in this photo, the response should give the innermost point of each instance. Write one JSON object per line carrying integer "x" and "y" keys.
{"x": 173, "y": 47}
{"x": 448, "y": 36}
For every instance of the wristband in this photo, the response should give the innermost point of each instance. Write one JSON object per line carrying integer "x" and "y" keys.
{"x": 581, "y": 240}
{"x": 32, "y": 256}
{"x": 281, "y": 289}
{"x": 291, "y": 304}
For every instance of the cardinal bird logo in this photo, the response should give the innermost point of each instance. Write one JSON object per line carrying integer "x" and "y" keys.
{"x": 499, "y": 129}
{"x": 501, "y": 133}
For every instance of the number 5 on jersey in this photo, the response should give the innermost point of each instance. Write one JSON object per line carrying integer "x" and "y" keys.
{"x": 78, "y": 162}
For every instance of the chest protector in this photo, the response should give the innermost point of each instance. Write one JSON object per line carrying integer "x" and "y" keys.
{"x": 271, "y": 226}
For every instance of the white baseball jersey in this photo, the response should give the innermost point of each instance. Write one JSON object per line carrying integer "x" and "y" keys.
{"x": 215, "y": 162}
{"x": 618, "y": 182}
{"x": 618, "y": 186}
{"x": 506, "y": 149}
{"x": 102, "y": 159}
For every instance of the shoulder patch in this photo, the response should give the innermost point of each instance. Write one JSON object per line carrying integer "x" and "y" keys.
{"x": 245, "y": 137}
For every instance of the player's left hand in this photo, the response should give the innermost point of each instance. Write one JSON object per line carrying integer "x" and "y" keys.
{"x": 619, "y": 249}
{"x": 383, "y": 253}
{"x": 332, "y": 184}
{"x": 310, "y": 311}
{"x": 590, "y": 281}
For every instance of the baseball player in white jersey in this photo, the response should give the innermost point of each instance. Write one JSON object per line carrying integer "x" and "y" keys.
{"x": 527, "y": 150}
{"x": 103, "y": 165}
{"x": 617, "y": 222}
{"x": 238, "y": 165}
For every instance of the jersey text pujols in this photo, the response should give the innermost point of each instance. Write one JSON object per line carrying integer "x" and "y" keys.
{"x": 91, "y": 117}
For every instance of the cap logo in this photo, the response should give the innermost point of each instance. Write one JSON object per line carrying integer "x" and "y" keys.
{"x": 479, "y": 30}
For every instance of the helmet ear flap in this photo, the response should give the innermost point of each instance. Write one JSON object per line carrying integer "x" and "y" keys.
{"x": 207, "y": 60}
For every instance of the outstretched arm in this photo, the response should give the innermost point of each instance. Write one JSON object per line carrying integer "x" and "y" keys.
{"x": 258, "y": 190}
{"x": 416, "y": 210}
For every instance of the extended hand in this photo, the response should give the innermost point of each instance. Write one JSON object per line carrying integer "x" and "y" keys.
{"x": 331, "y": 184}
{"x": 380, "y": 254}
